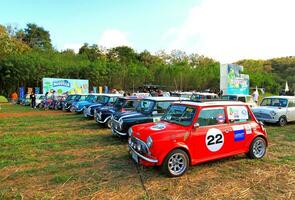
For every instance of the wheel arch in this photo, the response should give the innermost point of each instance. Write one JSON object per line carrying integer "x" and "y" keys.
{"x": 181, "y": 147}
{"x": 263, "y": 137}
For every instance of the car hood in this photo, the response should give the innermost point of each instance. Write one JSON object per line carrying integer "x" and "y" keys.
{"x": 265, "y": 109}
{"x": 128, "y": 115}
{"x": 95, "y": 105}
{"x": 157, "y": 130}
{"x": 107, "y": 109}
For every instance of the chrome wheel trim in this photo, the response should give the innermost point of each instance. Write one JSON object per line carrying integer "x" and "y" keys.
{"x": 177, "y": 164}
{"x": 259, "y": 148}
{"x": 109, "y": 123}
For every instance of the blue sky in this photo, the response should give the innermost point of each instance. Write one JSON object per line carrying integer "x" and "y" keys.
{"x": 226, "y": 30}
{"x": 79, "y": 21}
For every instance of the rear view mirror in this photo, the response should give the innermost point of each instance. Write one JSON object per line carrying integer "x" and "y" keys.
{"x": 196, "y": 125}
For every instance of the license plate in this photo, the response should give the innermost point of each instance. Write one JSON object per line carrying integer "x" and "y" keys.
{"x": 134, "y": 157}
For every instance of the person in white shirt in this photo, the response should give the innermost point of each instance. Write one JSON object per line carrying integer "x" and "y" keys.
{"x": 255, "y": 96}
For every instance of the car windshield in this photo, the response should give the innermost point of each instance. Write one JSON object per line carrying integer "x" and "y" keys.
{"x": 145, "y": 106}
{"x": 229, "y": 97}
{"x": 180, "y": 114}
{"x": 275, "y": 102}
{"x": 199, "y": 97}
{"x": 103, "y": 99}
{"x": 119, "y": 102}
{"x": 90, "y": 98}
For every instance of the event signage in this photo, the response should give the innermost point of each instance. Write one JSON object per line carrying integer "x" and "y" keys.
{"x": 232, "y": 81}
{"x": 22, "y": 92}
{"x": 65, "y": 86}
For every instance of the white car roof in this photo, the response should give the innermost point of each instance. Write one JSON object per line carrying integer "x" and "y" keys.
{"x": 237, "y": 95}
{"x": 281, "y": 97}
{"x": 166, "y": 98}
{"x": 205, "y": 93}
{"x": 212, "y": 103}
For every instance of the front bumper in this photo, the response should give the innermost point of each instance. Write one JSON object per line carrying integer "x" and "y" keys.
{"x": 102, "y": 121}
{"x": 267, "y": 120}
{"x": 150, "y": 160}
{"x": 77, "y": 110}
{"x": 116, "y": 132}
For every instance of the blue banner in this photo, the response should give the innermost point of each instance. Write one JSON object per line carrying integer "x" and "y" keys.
{"x": 21, "y": 92}
{"x": 37, "y": 90}
{"x": 106, "y": 89}
{"x": 94, "y": 89}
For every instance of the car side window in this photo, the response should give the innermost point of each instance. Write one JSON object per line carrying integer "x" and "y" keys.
{"x": 291, "y": 104}
{"x": 243, "y": 99}
{"x": 211, "y": 116}
{"x": 238, "y": 114}
{"x": 112, "y": 99}
{"x": 162, "y": 106}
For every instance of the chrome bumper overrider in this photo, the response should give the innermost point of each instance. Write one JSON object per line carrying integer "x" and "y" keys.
{"x": 142, "y": 157}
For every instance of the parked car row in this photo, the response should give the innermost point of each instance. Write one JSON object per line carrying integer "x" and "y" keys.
{"x": 177, "y": 132}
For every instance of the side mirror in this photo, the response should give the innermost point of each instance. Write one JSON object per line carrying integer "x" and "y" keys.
{"x": 196, "y": 125}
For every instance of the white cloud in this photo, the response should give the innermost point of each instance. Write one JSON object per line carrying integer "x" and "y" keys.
{"x": 230, "y": 30}
{"x": 73, "y": 46}
{"x": 113, "y": 38}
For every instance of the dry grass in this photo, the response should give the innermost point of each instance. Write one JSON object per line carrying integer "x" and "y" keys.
{"x": 56, "y": 155}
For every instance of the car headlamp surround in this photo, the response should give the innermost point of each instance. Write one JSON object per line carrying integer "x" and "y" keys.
{"x": 149, "y": 141}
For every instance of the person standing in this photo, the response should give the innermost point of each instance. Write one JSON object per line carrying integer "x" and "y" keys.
{"x": 14, "y": 97}
{"x": 255, "y": 96}
{"x": 33, "y": 100}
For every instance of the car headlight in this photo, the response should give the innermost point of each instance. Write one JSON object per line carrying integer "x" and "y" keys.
{"x": 149, "y": 141}
{"x": 273, "y": 113}
{"x": 138, "y": 147}
{"x": 130, "y": 131}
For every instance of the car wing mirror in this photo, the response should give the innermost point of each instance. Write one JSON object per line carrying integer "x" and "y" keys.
{"x": 196, "y": 125}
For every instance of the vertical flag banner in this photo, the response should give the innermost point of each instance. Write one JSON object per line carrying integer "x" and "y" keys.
{"x": 30, "y": 90}
{"x": 37, "y": 90}
{"x": 94, "y": 89}
{"x": 100, "y": 89}
{"x": 21, "y": 92}
{"x": 106, "y": 89}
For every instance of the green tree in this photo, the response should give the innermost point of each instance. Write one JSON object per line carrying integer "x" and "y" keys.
{"x": 36, "y": 37}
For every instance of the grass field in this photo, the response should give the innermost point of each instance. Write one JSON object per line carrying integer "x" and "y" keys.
{"x": 57, "y": 155}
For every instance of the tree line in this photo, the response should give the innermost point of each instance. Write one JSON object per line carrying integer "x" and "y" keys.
{"x": 27, "y": 55}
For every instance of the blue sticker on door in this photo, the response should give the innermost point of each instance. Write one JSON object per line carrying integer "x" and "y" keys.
{"x": 239, "y": 133}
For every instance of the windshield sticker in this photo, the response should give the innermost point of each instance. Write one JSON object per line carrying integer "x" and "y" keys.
{"x": 189, "y": 109}
{"x": 159, "y": 126}
{"x": 156, "y": 119}
{"x": 220, "y": 118}
{"x": 214, "y": 139}
{"x": 248, "y": 129}
{"x": 237, "y": 112}
{"x": 239, "y": 133}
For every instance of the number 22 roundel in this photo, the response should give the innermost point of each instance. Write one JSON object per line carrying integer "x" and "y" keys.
{"x": 214, "y": 139}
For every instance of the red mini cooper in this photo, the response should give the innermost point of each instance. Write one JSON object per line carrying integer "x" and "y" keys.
{"x": 190, "y": 133}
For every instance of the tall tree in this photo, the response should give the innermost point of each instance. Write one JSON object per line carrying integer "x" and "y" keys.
{"x": 37, "y": 37}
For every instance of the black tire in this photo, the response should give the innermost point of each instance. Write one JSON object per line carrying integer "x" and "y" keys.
{"x": 257, "y": 148}
{"x": 176, "y": 159}
{"x": 282, "y": 121}
{"x": 108, "y": 123}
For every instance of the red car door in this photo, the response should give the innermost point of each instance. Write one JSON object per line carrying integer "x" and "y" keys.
{"x": 211, "y": 139}
{"x": 241, "y": 128}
